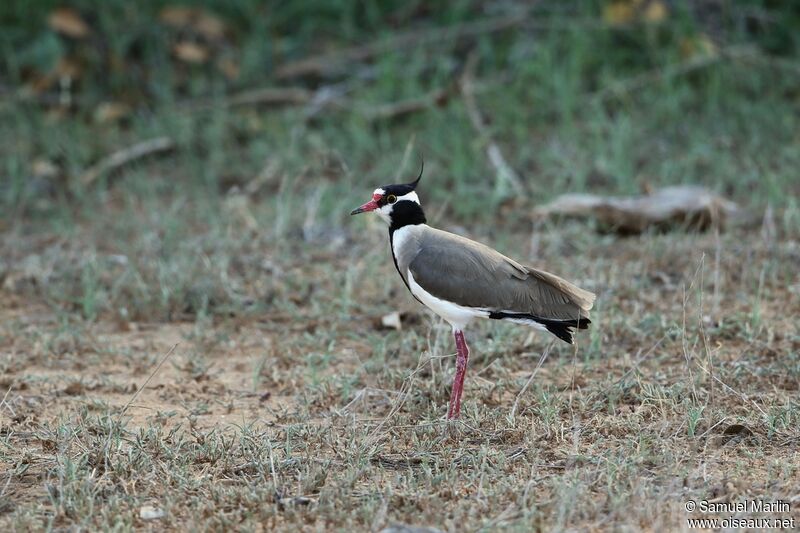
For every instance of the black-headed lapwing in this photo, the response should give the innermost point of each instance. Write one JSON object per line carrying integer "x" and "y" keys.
{"x": 460, "y": 279}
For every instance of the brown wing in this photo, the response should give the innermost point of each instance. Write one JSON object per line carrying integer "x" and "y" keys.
{"x": 473, "y": 275}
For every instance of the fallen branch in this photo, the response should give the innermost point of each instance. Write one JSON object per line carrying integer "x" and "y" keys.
{"x": 401, "y": 108}
{"x": 750, "y": 54}
{"x": 267, "y": 96}
{"x": 653, "y": 76}
{"x": 271, "y": 96}
{"x": 330, "y": 62}
{"x": 656, "y": 75}
{"x": 503, "y": 171}
{"x": 686, "y": 206}
{"x": 128, "y": 155}
{"x": 328, "y": 98}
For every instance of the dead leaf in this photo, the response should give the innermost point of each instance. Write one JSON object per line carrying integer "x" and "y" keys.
{"x": 229, "y": 68}
{"x": 668, "y": 208}
{"x": 698, "y": 46}
{"x": 44, "y": 168}
{"x": 67, "y": 68}
{"x": 74, "y": 389}
{"x": 620, "y": 12}
{"x": 734, "y": 434}
{"x": 209, "y": 26}
{"x": 191, "y": 52}
{"x": 655, "y": 12}
{"x": 148, "y": 512}
{"x": 177, "y": 16}
{"x": 48, "y": 445}
{"x": 196, "y": 19}
{"x": 67, "y": 21}
{"x": 391, "y": 321}
{"x": 737, "y": 430}
{"x": 108, "y": 112}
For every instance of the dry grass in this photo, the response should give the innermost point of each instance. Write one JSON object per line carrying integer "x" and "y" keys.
{"x": 314, "y": 418}
{"x": 284, "y": 405}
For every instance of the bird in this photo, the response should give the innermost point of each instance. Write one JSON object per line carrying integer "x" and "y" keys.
{"x": 460, "y": 279}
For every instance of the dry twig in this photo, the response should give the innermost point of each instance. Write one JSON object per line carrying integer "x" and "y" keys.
{"x": 733, "y": 53}
{"x": 401, "y": 108}
{"x": 329, "y": 62}
{"x": 266, "y": 175}
{"x": 123, "y": 157}
{"x": 147, "y": 381}
{"x": 503, "y": 171}
{"x": 545, "y": 353}
{"x": 749, "y": 54}
{"x": 271, "y": 96}
{"x": 406, "y": 155}
{"x": 263, "y": 96}
{"x": 653, "y": 76}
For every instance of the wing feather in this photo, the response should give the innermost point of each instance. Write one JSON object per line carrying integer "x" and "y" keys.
{"x": 470, "y": 274}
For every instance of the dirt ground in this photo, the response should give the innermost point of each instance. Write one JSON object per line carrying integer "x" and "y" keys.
{"x": 265, "y": 421}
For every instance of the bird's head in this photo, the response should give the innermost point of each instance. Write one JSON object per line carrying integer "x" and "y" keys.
{"x": 397, "y": 204}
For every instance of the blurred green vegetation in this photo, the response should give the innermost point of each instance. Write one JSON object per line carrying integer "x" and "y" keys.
{"x": 607, "y": 97}
{"x": 581, "y": 95}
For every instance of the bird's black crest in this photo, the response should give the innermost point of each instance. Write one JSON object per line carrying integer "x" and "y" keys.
{"x": 414, "y": 183}
{"x": 405, "y": 188}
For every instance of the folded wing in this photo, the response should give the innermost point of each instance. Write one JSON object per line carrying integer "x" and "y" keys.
{"x": 470, "y": 274}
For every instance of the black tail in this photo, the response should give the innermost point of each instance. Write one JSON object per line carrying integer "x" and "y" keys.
{"x": 563, "y": 329}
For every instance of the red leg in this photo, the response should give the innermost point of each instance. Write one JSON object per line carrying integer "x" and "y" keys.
{"x": 461, "y": 369}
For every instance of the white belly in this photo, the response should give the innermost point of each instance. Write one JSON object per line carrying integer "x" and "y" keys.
{"x": 457, "y": 315}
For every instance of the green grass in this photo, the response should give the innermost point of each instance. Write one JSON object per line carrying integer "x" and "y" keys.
{"x": 284, "y": 405}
